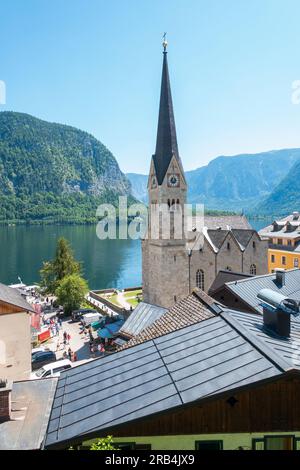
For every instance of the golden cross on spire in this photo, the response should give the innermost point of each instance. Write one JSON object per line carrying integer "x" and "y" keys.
{"x": 165, "y": 42}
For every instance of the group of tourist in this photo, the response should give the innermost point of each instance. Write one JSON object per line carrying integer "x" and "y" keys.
{"x": 54, "y": 324}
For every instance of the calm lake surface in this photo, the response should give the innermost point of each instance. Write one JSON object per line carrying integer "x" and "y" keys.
{"x": 107, "y": 263}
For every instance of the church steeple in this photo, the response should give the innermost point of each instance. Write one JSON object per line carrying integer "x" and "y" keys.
{"x": 166, "y": 142}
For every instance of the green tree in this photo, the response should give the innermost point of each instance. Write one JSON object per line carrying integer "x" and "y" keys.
{"x": 61, "y": 266}
{"x": 105, "y": 443}
{"x": 70, "y": 292}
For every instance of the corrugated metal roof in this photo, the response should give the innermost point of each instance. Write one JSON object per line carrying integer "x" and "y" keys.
{"x": 190, "y": 364}
{"x": 13, "y": 297}
{"x": 247, "y": 289}
{"x": 143, "y": 315}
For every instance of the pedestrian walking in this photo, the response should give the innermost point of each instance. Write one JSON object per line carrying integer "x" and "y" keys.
{"x": 68, "y": 338}
{"x": 70, "y": 354}
{"x": 74, "y": 356}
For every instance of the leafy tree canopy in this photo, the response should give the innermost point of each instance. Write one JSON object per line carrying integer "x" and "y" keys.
{"x": 61, "y": 266}
{"x": 71, "y": 292}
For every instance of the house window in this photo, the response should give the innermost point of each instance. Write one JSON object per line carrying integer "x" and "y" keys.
{"x": 209, "y": 445}
{"x": 296, "y": 263}
{"x": 283, "y": 260}
{"x": 279, "y": 241}
{"x": 272, "y": 258}
{"x": 228, "y": 246}
{"x": 253, "y": 269}
{"x": 279, "y": 442}
{"x": 289, "y": 242}
{"x": 200, "y": 279}
{"x": 125, "y": 445}
{"x": 276, "y": 443}
{"x": 254, "y": 245}
{"x": 174, "y": 258}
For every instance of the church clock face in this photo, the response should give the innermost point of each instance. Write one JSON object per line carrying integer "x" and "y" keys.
{"x": 173, "y": 180}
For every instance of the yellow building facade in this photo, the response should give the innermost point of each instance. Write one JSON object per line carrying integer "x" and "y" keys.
{"x": 284, "y": 242}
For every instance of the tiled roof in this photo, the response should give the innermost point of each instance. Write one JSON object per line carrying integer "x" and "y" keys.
{"x": 13, "y": 297}
{"x": 185, "y": 312}
{"x": 226, "y": 221}
{"x": 142, "y": 316}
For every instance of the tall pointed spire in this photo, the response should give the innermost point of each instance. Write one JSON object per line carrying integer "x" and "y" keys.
{"x": 166, "y": 142}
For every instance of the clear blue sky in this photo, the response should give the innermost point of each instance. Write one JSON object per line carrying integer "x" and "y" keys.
{"x": 96, "y": 65}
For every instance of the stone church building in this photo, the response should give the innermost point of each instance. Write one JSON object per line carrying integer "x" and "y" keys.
{"x": 173, "y": 265}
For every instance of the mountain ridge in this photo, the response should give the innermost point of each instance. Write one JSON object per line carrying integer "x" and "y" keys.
{"x": 54, "y": 171}
{"x": 238, "y": 182}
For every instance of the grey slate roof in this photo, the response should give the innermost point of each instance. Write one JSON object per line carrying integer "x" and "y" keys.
{"x": 190, "y": 364}
{"x": 32, "y": 401}
{"x": 247, "y": 289}
{"x": 13, "y": 297}
{"x": 142, "y": 316}
{"x": 217, "y": 237}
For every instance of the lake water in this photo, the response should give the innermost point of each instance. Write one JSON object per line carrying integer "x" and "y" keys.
{"x": 107, "y": 263}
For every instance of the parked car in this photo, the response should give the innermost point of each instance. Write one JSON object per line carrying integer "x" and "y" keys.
{"x": 105, "y": 320}
{"x": 77, "y": 314}
{"x": 90, "y": 318}
{"x": 52, "y": 370}
{"x": 42, "y": 358}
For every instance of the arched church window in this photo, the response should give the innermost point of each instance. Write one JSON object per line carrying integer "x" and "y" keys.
{"x": 253, "y": 269}
{"x": 200, "y": 279}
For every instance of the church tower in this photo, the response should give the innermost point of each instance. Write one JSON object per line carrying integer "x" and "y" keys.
{"x": 165, "y": 259}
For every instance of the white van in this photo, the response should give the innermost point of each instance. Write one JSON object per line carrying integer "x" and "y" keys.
{"x": 89, "y": 318}
{"x": 52, "y": 370}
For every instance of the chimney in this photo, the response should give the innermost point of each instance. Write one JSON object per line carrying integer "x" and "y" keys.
{"x": 5, "y": 400}
{"x": 277, "y": 311}
{"x": 280, "y": 277}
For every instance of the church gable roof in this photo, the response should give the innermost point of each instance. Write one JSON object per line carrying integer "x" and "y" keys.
{"x": 243, "y": 236}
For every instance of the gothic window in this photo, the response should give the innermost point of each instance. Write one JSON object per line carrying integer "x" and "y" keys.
{"x": 200, "y": 279}
{"x": 253, "y": 269}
